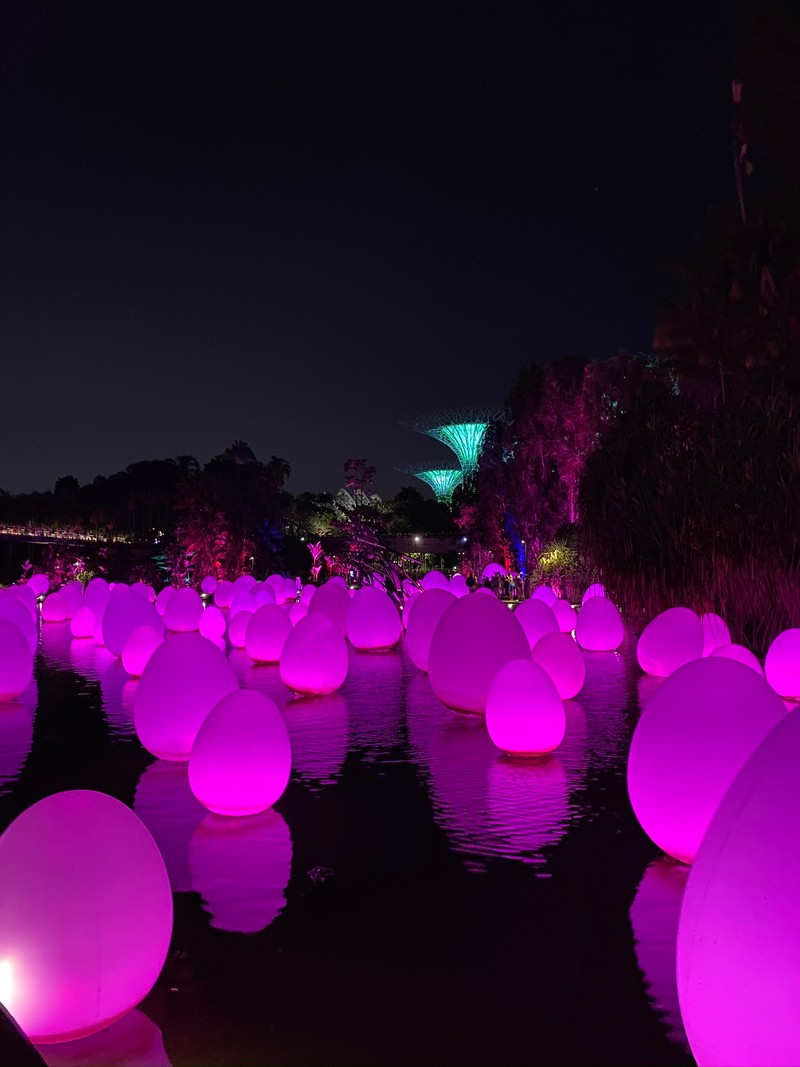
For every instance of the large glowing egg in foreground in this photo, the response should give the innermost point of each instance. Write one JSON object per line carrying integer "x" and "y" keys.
{"x": 782, "y": 665}
{"x": 16, "y": 661}
{"x": 85, "y": 915}
{"x": 524, "y": 713}
{"x": 182, "y": 613}
{"x": 738, "y": 956}
{"x": 241, "y": 759}
{"x": 669, "y": 640}
{"x": 536, "y": 618}
{"x": 183, "y": 680}
{"x": 560, "y": 656}
{"x": 429, "y": 606}
{"x": 475, "y": 636}
{"x": 333, "y": 600}
{"x": 266, "y": 633}
{"x": 599, "y": 626}
{"x": 373, "y": 622}
{"x": 696, "y": 732}
{"x": 314, "y": 658}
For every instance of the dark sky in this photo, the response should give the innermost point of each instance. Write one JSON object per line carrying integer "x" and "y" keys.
{"x": 297, "y": 223}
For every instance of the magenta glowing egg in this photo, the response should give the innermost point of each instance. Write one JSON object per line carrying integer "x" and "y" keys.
{"x": 537, "y": 619}
{"x": 671, "y": 639}
{"x": 237, "y": 627}
{"x": 265, "y": 594}
{"x": 333, "y": 600}
{"x": 55, "y": 608}
{"x": 16, "y": 661}
{"x": 142, "y": 589}
{"x": 782, "y": 665}
{"x": 125, "y": 611}
{"x": 493, "y": 569}
{"x": 306, "y": 593}
{"x": 85, "y": 915}
{"x": 599, "y": 627}
{"x": 429, "y": 606}
{"x": 39, "y": 583}
{"x": 458, "y": 585}
{"x": 524, "y": 713}
{"x": 83, "y": 623}
{"x": 73, "y": 596}
{"x": 26, "y": 596}
{"x": 139, "y": 647}
{"x": 545, "y": 593}
{"x": 290, "y": 588}
{"x": 740, "y": 653}
{"x": 182, "y": 613}
{"x": 475, "y": 636}
{"x": 241, "y": 758}
{"x": 715, "y": 632}
{"x": 373, "y": 622}
{"x": 566, "y": 616}
{"x": 13, "y": 610}
{"x": 434, "y": 580}
{"x": 181, "y": 683}
{"x": 96, "y": 593}
{"x": 596, "y": 589}
{"x": 314, "y": 658}
{"x": 223, "y": 594}
{"x": 560, "y": 656}
{"x": 245, "y": 583}
{"x": 693, "y": 737}
{"x": 266, "y": 634}
{"x": 297, "y": 611}
{"x": 212, "y": 623}
{"x": 409, "y": 599}
{"x": 738, "y": 958}
{"x": 276, "y": 582}
{"x": 163, "y": 599}
{"x": 208, "y": 584}
{"x": 244, "y": 600}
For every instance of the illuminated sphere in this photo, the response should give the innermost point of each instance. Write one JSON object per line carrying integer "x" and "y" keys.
{"x": 434, "y": 580}
{"x": 27, "y": 598}
{"x": 782, "y": 665}
{"x": 458, "y": 585}
{"x": 245, "y": 583}
{"x": 429, "y": 606}
{"x": 307, "y": 592}
{"x": 536, "y": 618}
{"x": 671, "y": 639}
{"x": 297, "y": 612}
{"x": 244, "y": 600}
{"x": 208, "y": 584}
{"x": 241, "y": 759}
{"x": 314, "y": 658}
{"x": 524, "y": 713}
{"x": 715, "y": 632}
{"x": 181, "y": 683}
{"x": 237, "y": 627}
{"x": 139, "y": 647}
{"x": 12, "y": 610}
{"x": 83, "y": 623}
{"x": 333, "y": 600}
{"x": 265, "y": 594}
{"x": 16, "y": 661}
{"x": 290, "y": 589}
{"x": 566, "y": 615}
{"x": 73, "y": 596}
{"x": 55, "y": 608}
{"x": 599, "y": 627}
{"x": 475, "y": 636}
{"x": 85, "y": 914}
{"x": 96, "y": 594}
{"x": 145, "y": 590}
{"x": 223, "y": 594}
{"x": 212, "y": 623}
{"x": 491, "y": 569}
{"x": 183, "y": 611}
{"x": 740, "y": 653}
{"x": 277, "y": 583}
{"x": 164, "y": 597}
{"x": 373, "y": 622}
{"x": 595, "y": 589}
{"x": 39, "y": 583}
{"x": 266, "y": 634}
{"x": 545, "y": 593}
{"x": 738, "y": 960}
{"x": 124, "y": 612}
{"x": 560, "y": 656}
{"x": 693, "y": 737}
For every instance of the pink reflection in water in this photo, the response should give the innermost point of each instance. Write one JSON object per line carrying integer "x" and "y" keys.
{"x": 171, "y": 812}
{"x": 319, "y": 733}
{"x": 16, "y": 740}
{"x": 132, "y": 1041}
{"x": 374, "y": 697}
{"x": 114, "y": 682}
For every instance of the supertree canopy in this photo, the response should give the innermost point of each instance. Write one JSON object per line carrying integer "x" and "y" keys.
{"x": 442, "y": 478}
{"x": 463, "y": 430}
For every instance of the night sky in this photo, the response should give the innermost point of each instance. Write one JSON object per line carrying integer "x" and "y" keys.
{"x": 298, "y": 223}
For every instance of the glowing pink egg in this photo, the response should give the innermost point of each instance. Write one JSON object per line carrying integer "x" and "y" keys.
{"x": 181, "y": 683}
{"x": 599, "y": 627}
{"x": 244, "y": 600}
{"x": 266, "y": 634}
{"x": 671, "y": 639}
{"x": 124, "y": 612}
{"x": 738, "y": 958}
{"x": 434, "y": 580}
{"x": 693, "y": 737}
{"x": 55, "y": 608}
{"x": 560, "y": 656}
{"x": 566, "y": 616}
{"x": 245, "y": 583}
{"x": 212, "y": 623}
{"x": 223, "y": 594}
{"x": 265, "y": 594}
{"x": 133, "y": 1040}
{"x": 83, "y": 623}
{"x": 458, "y": 585}
{"x": 545, "y": 593}
{"x": 182, "y": 613}
{"x": 139, "y": 647}
{"x": 208, "y": 584}
{"x": 475, "y": 636}
{"x": 16, "y": 661}
{"x": 39, "y": 583}
{"x": 277, "y": 583}
{"x": 373, "y": 622}
{"x": 85, "y": 915}
{"x": 715, "y": 632}
{"x": 306, "y": 593}
{"x": 27, "y": 598}
{"x": 297, "y": 612}
{"x": 524, "y": 713}
{"x": 290, "y": 588}
{"x": 333, "y": 600}
{"x": 237, "y": 627}
{"x": 740, "y": 653}
{"x": 96, "y": 593}
{"x": 429, "y": 606}
{"x": 782, "y": 665}
{"x": 596, "y": 589}
{"x": 537, "y": 619}
{"x": 163, "y": 599}
{"x": 492, "y": 569}
{"x": 409, "y": 599}
{"x": 314, "y": 658}
{"x": 12, "y": 610}
{"x": 241, "y": 758}
{"x": 73, "y": 596}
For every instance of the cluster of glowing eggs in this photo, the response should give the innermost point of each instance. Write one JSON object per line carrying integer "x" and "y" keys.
{"x": 715, "y": 632}
{"x": 39, "y": 583}
{"x": 428, "y": 608}
{"x": 139, "y": 647}
{"x": 373, "y": 622}
{"x": 782, "y": 665}
{"x": 474, "y": 638}
{"x": 537, "y": 619}
{"x": 266, "y": 633}
{"x": 13, "y": 610}
{"x": 740, "y": 653}
{"x": 738, "y": 961}
{"x": 696, "y": 732}
{"x": 314, "y": 658}
{"x": 212, "y": 623}
{"x": 125, "y": 611}
{"x": 595, "y": 589}
{"x": 83, "y": 623}
{"x": 671, "y": 639}
{"x": 566, "y": 615}
{"x": 559, "y": 655}
{"x": 55, "y": 608}
{"x": 183, "y": 680}
{"x": 524, "y": 713}
{"x": 237, "y": 627}
{"x": 333, "y": 600}
{"x": 16, "y": 661}
{"x": 85, "y": 915}
{"x": 241, "y": 759}
{"x": 182, "y": 613}
{"x": 599, "y": 626}
{"x": 209, "y": 584}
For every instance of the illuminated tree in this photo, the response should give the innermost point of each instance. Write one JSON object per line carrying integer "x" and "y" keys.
{"x": 461, "y": 429}
{"x": 442, "y": 479}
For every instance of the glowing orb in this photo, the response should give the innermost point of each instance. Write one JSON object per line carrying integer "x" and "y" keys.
{"x": 599, "y": 627}
{"x": 12, "y": 610}
{"x": 373, "y": 622}
{"x": 332, "y": 599}
{"x": 306, "y": 593}
{"x": 429, "y": 606}
{"x": 740, "y": 653}
{"x": 545, "y": 593}
{"x": 26, "y": 597}
{"x": 738, "y": 957}
{"x": 265, "y": 594}
{"x": 139, "y": 647}
{"x": 537, "y": 619}
{"x": 180, "y": 685}
{"x": 276, "y": 583}
{"x": 245, "y": 583}
{"x": 297, "y": 611}
{"x": 223, "y": 594}
{"x": 715, "y": 632}
{"x": 560, "y": 656}
{"x": 458, "y": 585}
{"x": 694, "y": 735}
{"x": 524, "y": 713}
{"x": 182, "y": 614}
{"x": 314, "y": 658}
{"x": 566, "y": 615}
{"x": 208, "y": 584}
{"x": 244, "y": 600}
{"x": 142, "y": 589}
{"x": 237, "y": 627}
{"x": 492, "y": 569}
{"x": 782, "y": 665}
{"x": 85, "y": 915}
{"x": 596, "y": 589}
{"x": 164, "y": 597}
{"x": 16, "y": 661}
{"x": 266, "y": 634}
{"x": 125, "y": 612}
{"x": 241, "y": 758}
{"x": 73, "y": 597}
{"x": 212, "y": 623}
{"x": 434, "y": 580}
{"x": 55, "y": 608}
{"x": 96, "y": 594}
{"x": 290, "y": 588}
{"x": 83, "y": 623}
{"x": 475, "y": 636}
{"x": 39, "y": 583}
{"x": 671, "y": 639}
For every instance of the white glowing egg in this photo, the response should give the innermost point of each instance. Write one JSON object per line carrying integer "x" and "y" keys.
{"x": 12, "y": 610}
{"x": 429, "y": 606}
{"x": 223, "y": 594}
{"x": 537, "y": 619}
{"x": 782, "y": 665}
{"x": 39, "y": 583}
{"x": 266, "y": 634}
{"x": 333, "y": 600}
{"x": 314, "y": 658}
{"x": 373, "y": 621}
{"x": 740, "y": 653}
{"x": 140, "y": 646}
{"x": 124, "y": 612}
{"x": 560, "y": 656}
{"x": 182, "y": 613}
{"x": 545, "y": 593}
{"x": 524, "y": 713}
{"x": 671, "y": 639}
{"x": 566, "y": 616}
{"x": 212, "y": 623}
{"x": 55, "y": 608}
{"x": 596, "y": 589}
{"x": 163, "y": 599}
{"x": 599, "y": 627}
{"x": 16, "y": 661}
{"x": 237, "y": 627}
{"x": 208, "y": 584}
{"x": 434, "y": 580}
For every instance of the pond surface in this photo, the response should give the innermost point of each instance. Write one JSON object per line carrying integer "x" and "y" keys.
{"x": 414, "y": 898}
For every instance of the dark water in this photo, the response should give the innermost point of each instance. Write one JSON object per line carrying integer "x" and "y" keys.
{"x": 414, "y": 898}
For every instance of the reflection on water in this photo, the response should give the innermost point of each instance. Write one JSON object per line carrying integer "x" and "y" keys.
{"x": 16, "y": 741}
{"x": 646, "y": 687}
{"x": 171, "y": 812}
{"x": 117, "y": 689}
{"x": 133, "y": 1041}
{"x": 654, "y": 917}
{"x": 374, "y": 695}
{"x": 318, "y": 732}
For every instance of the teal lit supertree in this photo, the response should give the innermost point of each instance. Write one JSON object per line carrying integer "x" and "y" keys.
{"x": 442, "y": 479}
{"x": 462, "y": 430}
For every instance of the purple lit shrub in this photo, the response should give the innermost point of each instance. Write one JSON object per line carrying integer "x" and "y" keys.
{"x": 373, "y": 622}
{"x": 524, "y": 713}
{"x": 561, "y": 658}
{"x": 782, "y": 665}
{"x": 429, "y": 606}
{"x": 314, "y": 658}
{"x": 599, "y": 626}
{"x": 266, "y": 633}
{"x": 671, "y": 639}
